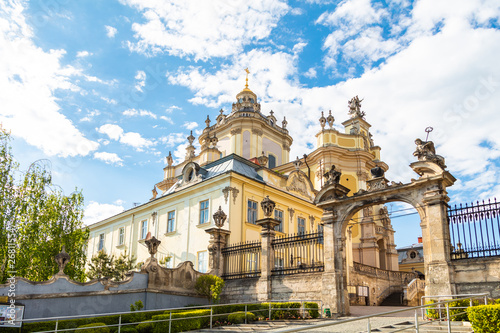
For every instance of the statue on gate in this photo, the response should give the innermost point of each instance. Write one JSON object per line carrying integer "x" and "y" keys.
{"x": 425, "y": 151}
{"x": 332, "y": 176}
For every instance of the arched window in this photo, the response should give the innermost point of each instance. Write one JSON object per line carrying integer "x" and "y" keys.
{"x": 272, "y": 161}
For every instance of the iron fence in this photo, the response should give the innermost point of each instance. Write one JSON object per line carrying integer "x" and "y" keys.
{"x": 475, "y": 230}
{"x": 242, "y": 260}
{"x": 299, "y": 253}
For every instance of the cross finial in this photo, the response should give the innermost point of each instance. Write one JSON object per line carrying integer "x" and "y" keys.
{"x": 248, "y": 72}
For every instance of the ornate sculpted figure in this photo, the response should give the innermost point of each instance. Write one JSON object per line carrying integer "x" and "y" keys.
{"x": 332, "y": 176}
{"x": 355, "y": 107}
{"x": 425, "y": 151}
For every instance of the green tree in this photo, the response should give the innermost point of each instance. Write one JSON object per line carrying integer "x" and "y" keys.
{"x": 210, "y": 286}
{"x": 104, "y": 265}
{"x": 36, "y": 220}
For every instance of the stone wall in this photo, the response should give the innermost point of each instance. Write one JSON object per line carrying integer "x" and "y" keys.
{"x": 305, "y": 286}
{"x": 479, "y": 275}
{"x": 157, "y": 287}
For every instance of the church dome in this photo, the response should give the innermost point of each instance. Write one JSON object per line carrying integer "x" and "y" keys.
{"x": 246, "y": 100}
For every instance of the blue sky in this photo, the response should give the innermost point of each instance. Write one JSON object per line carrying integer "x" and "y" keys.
{"x": 105, "y": 89}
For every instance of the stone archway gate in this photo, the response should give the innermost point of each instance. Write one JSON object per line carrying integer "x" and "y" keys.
{"x": 429, "y": 197}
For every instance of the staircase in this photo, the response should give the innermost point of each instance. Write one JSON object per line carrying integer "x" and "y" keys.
{"x": 436, "y": 327}
{"x": 393, "y": 299}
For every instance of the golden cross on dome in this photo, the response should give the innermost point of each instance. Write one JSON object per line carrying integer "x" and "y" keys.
{"x": 248, "y": 72}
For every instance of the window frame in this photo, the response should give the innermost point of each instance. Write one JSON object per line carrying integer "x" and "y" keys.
{"x": 204, "y": 212}
{"x": 121, "y": 236}
{"x": 279, "y": 227}
{"x": 171, "y": 221}
{"x": 144, "y": 223}
{"x": 252, "y": 212}
{"x": 100, "y": 242}
{"x": 203, "y": 262}
{"x": 301, "y": 225}
{"x": 269, "y": 155}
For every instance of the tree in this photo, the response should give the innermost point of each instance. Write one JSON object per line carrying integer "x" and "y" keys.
{"x": 36, "y": 220}
{"x": 104, "y": 265}
{"x": 210, "y": 286}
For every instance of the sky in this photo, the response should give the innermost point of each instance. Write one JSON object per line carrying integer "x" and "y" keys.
{"x": 105, "y": 89}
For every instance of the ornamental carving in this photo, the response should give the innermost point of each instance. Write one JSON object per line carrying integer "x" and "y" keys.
{"x": 236, "y": 131}
{"x": 152, "y": 244}
{"x": 298, "y": 184}
{"x": 219, "y": 217}
{"x": 332, "y": 176}
{"x": 62, "y": 259}
{"x": 355, "y": 108}
{"x": 377, "y": 184}
{"x": 233, "y": 190}
{"x": 267, "y": 206}
{"x": 425, "y": 151}
{"x": 257, "y": 131}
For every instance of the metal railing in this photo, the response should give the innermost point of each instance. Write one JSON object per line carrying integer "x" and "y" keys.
{"x": 246, "y": 308}
{"x": 298, "y": 253}
{"x": 415, "y": 326}
{"x": 475, "y": 230}
{"x": 242, "y": 260}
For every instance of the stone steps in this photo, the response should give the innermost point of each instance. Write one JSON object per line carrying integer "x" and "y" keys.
{"x": 258, "y": 326}
{"x": 437, "y": 327}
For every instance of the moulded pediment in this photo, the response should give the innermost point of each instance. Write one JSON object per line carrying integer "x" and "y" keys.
{"x": 299, "y": 183}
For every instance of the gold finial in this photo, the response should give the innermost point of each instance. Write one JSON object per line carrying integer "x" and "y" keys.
{"x": 248, "y": 72}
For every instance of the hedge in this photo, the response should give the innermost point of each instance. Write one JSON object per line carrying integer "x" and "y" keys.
{"x": 313, "y": 309}
{"x": 102, "y": 328}
{"x": 485, "y": 318}
{"x": 182, "y": 325}
{"x": 239, "y": 317}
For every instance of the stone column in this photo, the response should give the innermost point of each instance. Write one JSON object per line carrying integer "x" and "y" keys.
{"x": 439, "y": 272}
{"x": 264, "y": 286}
{"x": 218, "y": 238}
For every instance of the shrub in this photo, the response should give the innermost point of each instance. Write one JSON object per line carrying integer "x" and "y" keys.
{"x": 239, "y": 317}
{"x": 95, "y": 328}
{"x": 182, "y": 325}
{"x": 485, "y": 318}
{"x": 145, "y": 327}
{"x": 312, "y": 309}
{"x": 209, "y": 286}
{"x": 128, "y": 329}
{"x": 288, "y": 313}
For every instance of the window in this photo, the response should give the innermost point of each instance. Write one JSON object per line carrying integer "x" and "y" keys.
{"x": 144, "y": 229}
{"x": 171, "y": 221}
{"x": 204, "y": 212}
{"x": 100, "y": 246}
{"x": 301, "y": 225}
{"x": 272, "y": 161}
{"x": 202, "y": 262}
{"x": 252, "y": 212}
{"x": 278, "y": 215}
{"x": 121, "y": 236}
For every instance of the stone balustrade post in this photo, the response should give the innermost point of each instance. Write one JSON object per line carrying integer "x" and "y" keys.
{"x": 218, "y": 239}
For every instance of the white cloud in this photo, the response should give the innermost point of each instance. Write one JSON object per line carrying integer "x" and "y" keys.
{"x": 95, "y": 212}
{"x": 91, "y": 115}
{"x": 167, "y": 119}
{"x": 110, "y": 31}
{"x": 311, "y": 73}
{"x": 108, "y": 158}
{"x": 114, "y": 132}
{"x": 141, "y": 80}
{"x": 203, "y": 29}
{"x": 173, "y": 139}
{"x": 190, "y": 125}
{"x": 172, "y": 108}
{"x": 28, "y": 78}
{"x": 83, "y": 54}
{"x": 141, "y": 113}
{"x": 133, "y": 139}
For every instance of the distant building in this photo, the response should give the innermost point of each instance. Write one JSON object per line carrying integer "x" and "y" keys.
{"x": 244, "y": 157}
{"x": 411, "y": 258}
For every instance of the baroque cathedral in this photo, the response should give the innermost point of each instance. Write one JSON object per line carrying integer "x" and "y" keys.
{"x": 245, "y": 157}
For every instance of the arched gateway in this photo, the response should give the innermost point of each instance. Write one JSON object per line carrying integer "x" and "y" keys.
{"x": 427, "y": 195}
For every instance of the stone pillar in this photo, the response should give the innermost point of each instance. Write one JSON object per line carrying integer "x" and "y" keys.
{"x": 439, "y": 272}
{"x": 218, "y": 238}
{"x": 267, "y": 257}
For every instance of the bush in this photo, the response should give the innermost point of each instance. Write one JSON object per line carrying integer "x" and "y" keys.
{"x": 312, "y": 309}
{"x": 485, "y": 318}
{"x": 145, "y": 327}
{"x": 283, "y": 314}
{"x": 102, "y": 328}
{"x": 182, "y": 325}
{"x": 239, "y": 317}
{"x": 127, "y": 329}
{"x": 210, "y": 286}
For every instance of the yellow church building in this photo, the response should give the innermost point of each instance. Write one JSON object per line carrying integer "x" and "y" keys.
{"x": 244, "y": 157}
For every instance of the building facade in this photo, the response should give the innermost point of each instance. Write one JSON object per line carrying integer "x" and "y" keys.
{"x": 244, "y": 157}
